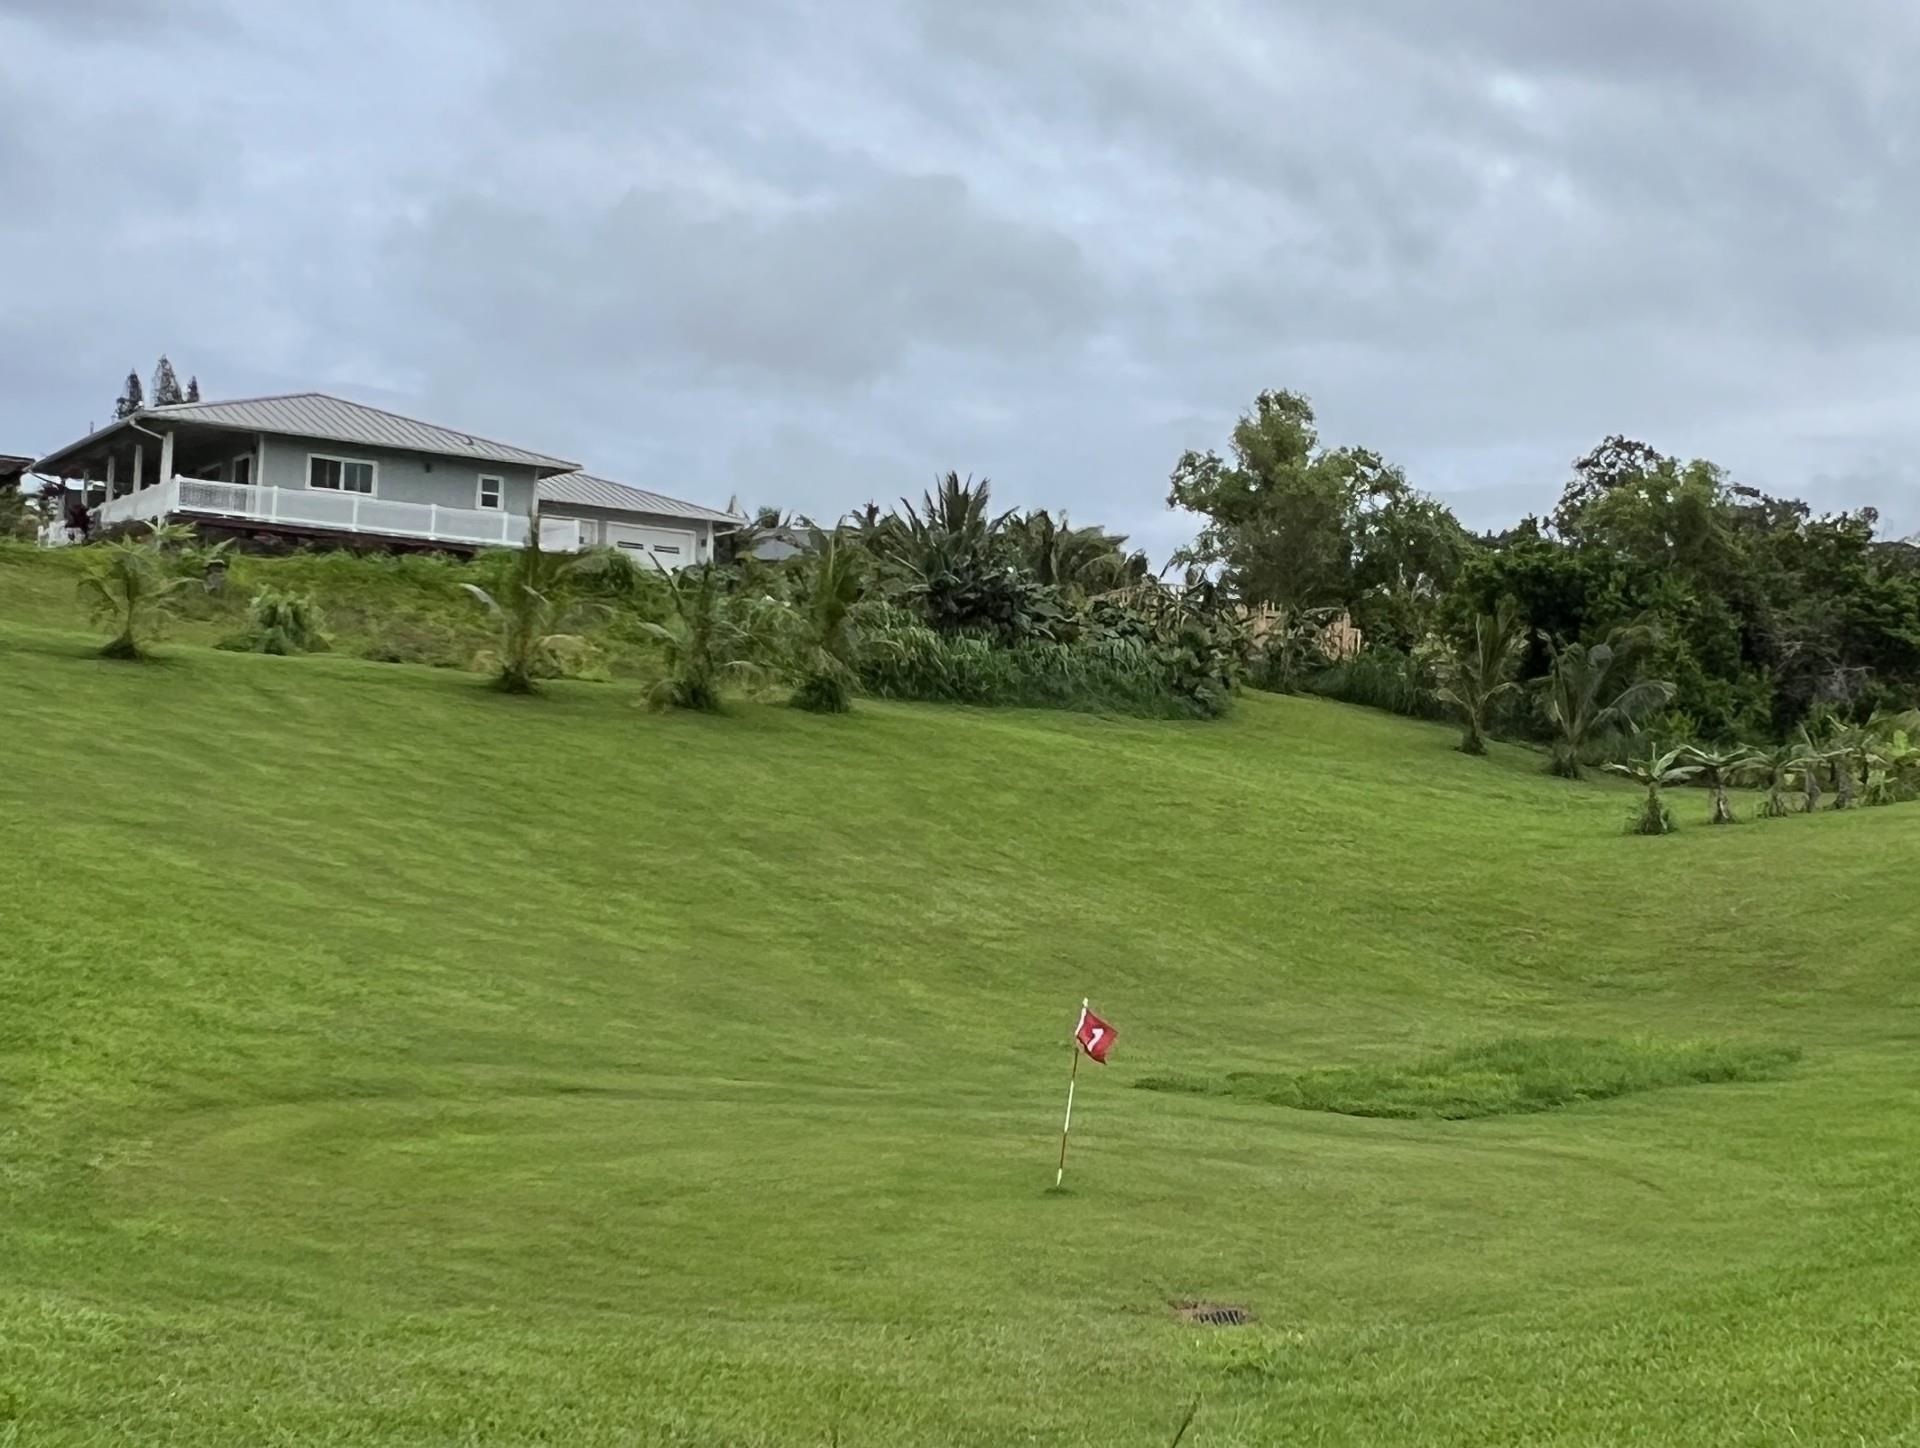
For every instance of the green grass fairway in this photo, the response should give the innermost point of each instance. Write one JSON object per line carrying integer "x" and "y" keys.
{"x": 386, "y": 1061}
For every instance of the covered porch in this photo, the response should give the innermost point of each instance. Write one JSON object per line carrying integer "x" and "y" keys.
{"x": 131, "y": 473}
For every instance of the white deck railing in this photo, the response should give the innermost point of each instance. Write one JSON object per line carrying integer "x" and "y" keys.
{"x": 344, "y": 512}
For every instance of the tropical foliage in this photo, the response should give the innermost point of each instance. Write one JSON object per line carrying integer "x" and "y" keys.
{"x": 1717, "y": 770}
{"x": 535, "y": 599}
{"x": 283, "y": 622}
{"x": 1655, "y": 771}
{"x": 131, "y": 585}
{"x": 712, "y": 637}
{"x": 827, "y": 590}
{"x": 1589, "y": 691}
{"x": 1475, "y": 678}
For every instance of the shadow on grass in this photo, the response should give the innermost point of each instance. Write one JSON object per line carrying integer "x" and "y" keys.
{"x": 1505, "y": 1078}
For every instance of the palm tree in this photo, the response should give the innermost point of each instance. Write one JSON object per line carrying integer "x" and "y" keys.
{"x": 826, "y": 602}
{"x": 1776, "y": 768}
{"x": 1582, "y": 696}
{"x": 1475, "y": 678}
{"x": 710, "y": 637}
{"x": 1653, "y": 773}
{"x": 129, "y": 585}
{"x": 1717, "y": 768}
{"x": 538, "y": 594}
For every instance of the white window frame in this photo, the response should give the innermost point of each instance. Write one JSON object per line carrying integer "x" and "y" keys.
{"x": 372, "y": 464}
{"x": 499, "y": 505}
{"x": 253, "y": 468}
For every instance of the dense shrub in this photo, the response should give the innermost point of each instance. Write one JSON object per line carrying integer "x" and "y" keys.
{"x": 1380, "y": 678}
{"x": 280, "y": 622}
{"x": 1116, "y": 674}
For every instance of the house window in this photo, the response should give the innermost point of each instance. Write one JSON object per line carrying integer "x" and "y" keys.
{"x": 339, "y": 475}
{"x": 490, "y": 491}
{"x": 667, "y": 548}
{"x": 243, "y": 469}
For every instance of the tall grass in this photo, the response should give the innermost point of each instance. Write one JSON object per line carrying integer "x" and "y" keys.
{"x": 907, "y": 660}
{"x": 1380, "y": 678}
{"x": 1509, "y": 1077}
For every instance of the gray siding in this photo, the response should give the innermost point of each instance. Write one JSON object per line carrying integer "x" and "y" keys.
{"x": 402, "y": 477}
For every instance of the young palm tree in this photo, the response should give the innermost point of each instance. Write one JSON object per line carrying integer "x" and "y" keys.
{"x": 827, "y": 597}
{"x": 130, "y": 585}
{"x": 1718, "y": 769}
{"x": 709, "y": 639}
{"x": 1655, "y": 772}
{"x": 1475, "y": 678}
{"x": 1583, "y": 696}
{"x": 538, "y": 594}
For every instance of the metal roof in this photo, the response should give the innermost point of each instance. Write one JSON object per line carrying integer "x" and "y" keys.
{"x": 587, "y": 491}
{"x": 334, "y": 419}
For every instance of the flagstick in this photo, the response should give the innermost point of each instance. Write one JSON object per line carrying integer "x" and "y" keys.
{"x": 1073, "y": 1074}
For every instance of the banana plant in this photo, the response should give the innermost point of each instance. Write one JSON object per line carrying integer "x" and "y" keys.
{"x": 1777, "y": 770}
{"x": 1654, "y": 772}
{"x": 1717, "y": 769}
{"x": 1811, "y": 759}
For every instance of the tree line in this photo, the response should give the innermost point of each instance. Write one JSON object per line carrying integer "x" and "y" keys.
{"x": 1745, "y": 616}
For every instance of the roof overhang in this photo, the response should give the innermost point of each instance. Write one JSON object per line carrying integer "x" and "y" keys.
{"x": 151, "y": 424}
{"x": 61, "y": 464}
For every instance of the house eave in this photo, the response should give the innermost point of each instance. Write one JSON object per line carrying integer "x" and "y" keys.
{"x": 151, "y": 422}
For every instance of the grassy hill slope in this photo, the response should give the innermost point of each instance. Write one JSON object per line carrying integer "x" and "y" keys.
{"x": 385, "y": 1061}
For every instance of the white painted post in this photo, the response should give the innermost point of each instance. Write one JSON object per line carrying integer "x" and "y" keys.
{"x": 273, "y": 504}
{"x": 139, "y": 466}
{"x": 355, "y": 520}
{"x": 433, "y": 520}
{"x": 111, "y": 460}
{"x": 166, "y": 459}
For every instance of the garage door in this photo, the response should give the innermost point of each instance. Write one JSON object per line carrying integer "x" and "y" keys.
{"x": 669, "y": 547}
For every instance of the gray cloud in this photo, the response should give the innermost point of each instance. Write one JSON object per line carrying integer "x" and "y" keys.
{"x": 814, "y": 253}
{"x": 797, "y": 297}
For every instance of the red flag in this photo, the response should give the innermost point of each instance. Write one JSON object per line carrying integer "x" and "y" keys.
{"x": 1094, "y": 1035}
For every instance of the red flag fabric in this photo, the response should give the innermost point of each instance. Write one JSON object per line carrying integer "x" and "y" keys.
{"x": 1094, "y": 1035}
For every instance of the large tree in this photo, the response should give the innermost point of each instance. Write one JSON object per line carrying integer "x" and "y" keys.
{"x": 1288, "y": 522}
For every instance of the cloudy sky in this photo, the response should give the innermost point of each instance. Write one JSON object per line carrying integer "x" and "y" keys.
{"x": 811, "y": 253}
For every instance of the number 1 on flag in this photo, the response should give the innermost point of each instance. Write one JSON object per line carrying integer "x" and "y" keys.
{"x": 1095, "y": 1037}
